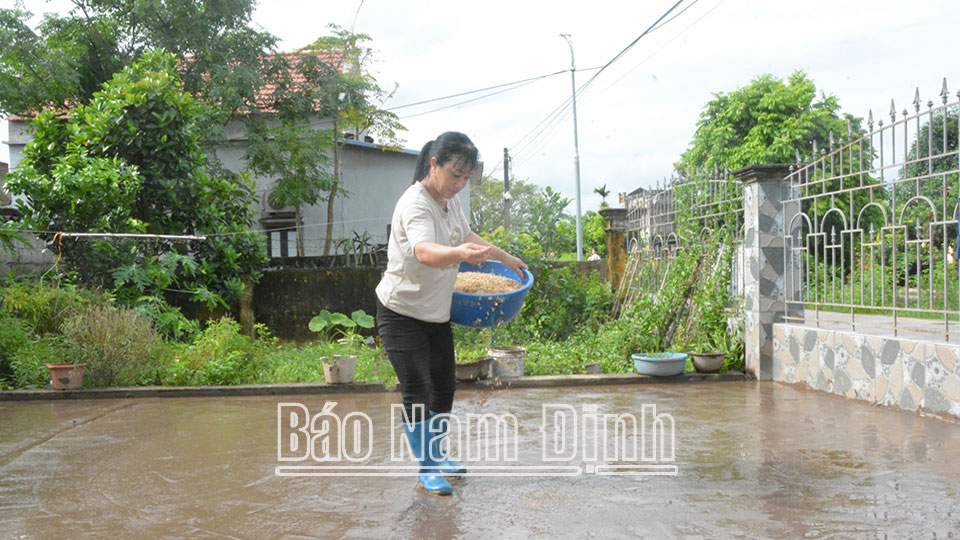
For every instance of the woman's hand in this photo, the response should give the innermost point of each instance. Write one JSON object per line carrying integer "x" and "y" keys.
{"x": 515, "y": 264}
{"x": 473, "y": 253}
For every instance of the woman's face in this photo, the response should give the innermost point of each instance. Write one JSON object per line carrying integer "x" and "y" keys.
{"x": 449, "y": 178}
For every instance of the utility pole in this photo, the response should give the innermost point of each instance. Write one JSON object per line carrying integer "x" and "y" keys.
{"x": 576, "y": 146}
{"x": 506, "y": 189}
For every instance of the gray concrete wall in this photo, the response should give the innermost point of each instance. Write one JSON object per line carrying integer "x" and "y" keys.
{"x": 915, "y": 375}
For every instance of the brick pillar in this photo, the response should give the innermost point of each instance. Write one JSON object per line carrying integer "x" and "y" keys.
{"x": 765, "y": 187}
{"x": 616, "y": 244}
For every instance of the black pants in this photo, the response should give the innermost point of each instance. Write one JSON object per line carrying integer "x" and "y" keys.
{"x": 422, "y": 357}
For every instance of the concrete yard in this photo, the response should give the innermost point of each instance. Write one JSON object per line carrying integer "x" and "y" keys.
{"x": 752, "y": 460}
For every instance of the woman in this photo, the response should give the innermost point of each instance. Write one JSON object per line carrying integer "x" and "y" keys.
{"x": 429, "y": 237}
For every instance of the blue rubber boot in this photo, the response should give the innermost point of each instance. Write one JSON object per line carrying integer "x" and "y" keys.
{"x": 421, "y": 439}
{"x": 447, "y": 466}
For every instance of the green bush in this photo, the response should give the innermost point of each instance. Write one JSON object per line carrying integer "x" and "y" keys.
{"x": 119, "y": 345}
{"x": 14, "y": 334}
{"x": 372, "y": 365}
{"x": 221, "y": 354}
{"x": 29, "y": 363}
{"x": 168, "y": 320}
{"x": 46, "y": 307}
{"x": 562, "y": 301}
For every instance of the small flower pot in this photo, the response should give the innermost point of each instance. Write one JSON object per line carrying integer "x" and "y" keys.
{"x": 710, "y": 362}
{"x": 593, "y": 369}
{"x": 339, "y": 369}
{"x": 66, "y": 376}
{"x": 472, "y": 371}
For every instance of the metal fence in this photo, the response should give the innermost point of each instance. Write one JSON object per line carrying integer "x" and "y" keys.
{"x": 653, "y": 233}
{"x": 871, "y": 224}
{"x": 653, "y": 214}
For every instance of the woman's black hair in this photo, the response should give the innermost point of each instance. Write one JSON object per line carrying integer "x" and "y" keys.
{"x": 447, "y": 146}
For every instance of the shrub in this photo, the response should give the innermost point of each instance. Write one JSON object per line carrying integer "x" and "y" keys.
{"x": 14, "y": 334}
{"x": 167, "y": 319}
{"x": 46, "y": 307}
{"x": 372, "y": 365}
{"x": 119, "y": 345}
{"x": 29, "y": 363}
{"x": 221, "y": 354}
{"x": 563, "y": 300}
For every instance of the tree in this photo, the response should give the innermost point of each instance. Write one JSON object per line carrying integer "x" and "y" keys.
{"x": 602, "y": 191}
{"x": 773, "y": 121}
{"x": 594, "y": 229}
{"x": 72, "y": 56}
{"x": 131, "y": 162}
{"x": 283, "y": 143}
{"x": 546, "y": 212}
{"x": 354, "y": 101}
{"x": 769, "y": 121}
{"x": 538, "y": 212}
{"x": 486, "y": 204}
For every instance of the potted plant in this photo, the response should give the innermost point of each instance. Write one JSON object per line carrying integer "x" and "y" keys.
{"x": 340, "y": 362}
{"x": 710, "y": 302}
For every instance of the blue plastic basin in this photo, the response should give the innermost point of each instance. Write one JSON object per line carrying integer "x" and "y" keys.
{"x": 659, "y": 364}
{"x": 489, "y": 310}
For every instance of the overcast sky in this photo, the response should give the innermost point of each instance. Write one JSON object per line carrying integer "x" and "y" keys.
{"x": 640, "y": 114}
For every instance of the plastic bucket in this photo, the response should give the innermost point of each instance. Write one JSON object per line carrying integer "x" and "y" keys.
{"x": 506, "y": 362}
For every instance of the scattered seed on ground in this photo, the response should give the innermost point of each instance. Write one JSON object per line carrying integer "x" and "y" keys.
{"x": 480, "y": 283}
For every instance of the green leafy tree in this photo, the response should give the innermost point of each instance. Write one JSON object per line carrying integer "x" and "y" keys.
{"x": 777, "y": 121}
{"x": 354, "y": 100}
{"x": 284, "y": 143}
{"x": 534, "y": 210}
{"x": 64, "y": 62}
{"x": 546, "y": 211}
{"x": 131, "y": 162}
{"x": 594, "y": 229}
{"x": 769, "y": 121}
{"x": 486, "y": 204}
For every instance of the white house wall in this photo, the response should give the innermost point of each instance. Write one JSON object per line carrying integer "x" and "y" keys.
{"x": 374, "y": 179}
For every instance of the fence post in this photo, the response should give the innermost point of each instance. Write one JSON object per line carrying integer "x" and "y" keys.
{"x": 765, "y": 187}
{"x": 616, "y": 244}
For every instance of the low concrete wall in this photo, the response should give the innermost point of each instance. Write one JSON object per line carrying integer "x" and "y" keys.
{"x": 909, "y": 374}
{"x": 286, "y": 300}
{"x": 32, "y": 259}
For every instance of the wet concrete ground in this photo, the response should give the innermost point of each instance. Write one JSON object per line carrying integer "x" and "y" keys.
{"x": 754, "y": 460}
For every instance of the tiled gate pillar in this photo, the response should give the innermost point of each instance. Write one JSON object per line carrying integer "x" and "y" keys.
{"x": 764, "y": 216}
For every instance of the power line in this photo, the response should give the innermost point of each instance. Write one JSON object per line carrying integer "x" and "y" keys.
{"x": 553, "y": 118}
{"x": 452, "y": 105}
{"x": 467, "y": 93}
{"x": 674, "y": 38}
{"x": 513, "y": 86}
{"x": 651, "y": 28}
